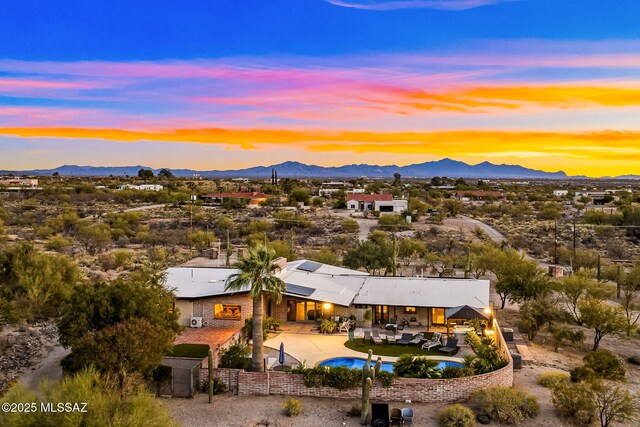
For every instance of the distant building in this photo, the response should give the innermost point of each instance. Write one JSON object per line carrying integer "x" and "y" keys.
{"x": 142, "y": 187}
{"x": 560, "y": 193}
{"x": 254, "y": 198}
{"x": 327, "y": 189}
{"x": 19, "y": 182}
{"x": 466, "y": 195}
{"x": 375, "y": 202}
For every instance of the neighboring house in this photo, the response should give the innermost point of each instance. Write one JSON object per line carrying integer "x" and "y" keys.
{"x": 375, "y": 202}
{"x": 560, "y": 193}
{"x": 253, "y": 198}
{"x": 315, "y": 290}
{"x": 141, "y": 187}
{"x": 466, "y": 195}
{"x": 18, "y": 182}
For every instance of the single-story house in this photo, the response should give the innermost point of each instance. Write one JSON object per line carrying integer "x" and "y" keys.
{"x": 466, "y": 195}
{"x": 376, "y": 202}
{"x": 315, "y": 290}
{"x": 141, "y": 187}
{"x": 253, "y": 198}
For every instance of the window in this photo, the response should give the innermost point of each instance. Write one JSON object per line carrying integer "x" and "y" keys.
{"x": 227, "y": 311}
{"x": 410, "y": 310}
{"x": 437, "y": 316}
{"x": 362, "y": 306}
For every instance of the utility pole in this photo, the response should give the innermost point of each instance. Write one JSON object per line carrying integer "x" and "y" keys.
{"x": 228, "y": 248}
{"x": 574, "y": 244}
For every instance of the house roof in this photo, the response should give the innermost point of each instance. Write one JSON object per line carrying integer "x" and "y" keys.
{"x": 369, "y": 197}
{"x": 239, "y": 195}
{"x": 341, "y": 286}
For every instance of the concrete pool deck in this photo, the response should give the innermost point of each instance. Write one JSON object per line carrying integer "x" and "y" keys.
{"x": 312, "y": 349}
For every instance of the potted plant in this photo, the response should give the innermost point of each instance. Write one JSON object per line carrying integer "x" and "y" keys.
{"x": 368, "y": 315}
{"x": 276, "y": 324}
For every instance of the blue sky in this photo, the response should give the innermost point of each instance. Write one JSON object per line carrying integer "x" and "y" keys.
{"x": 523, "y": 76}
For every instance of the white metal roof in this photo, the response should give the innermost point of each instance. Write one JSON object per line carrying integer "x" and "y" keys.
{"x": 341, "y": 286}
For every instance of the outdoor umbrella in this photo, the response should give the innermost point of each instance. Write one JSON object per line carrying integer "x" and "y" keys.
{"x": 281, "y": 355}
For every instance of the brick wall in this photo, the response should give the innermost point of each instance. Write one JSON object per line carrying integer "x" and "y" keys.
{"x": 205, "y": 308}
{"x": 448, "y": 390}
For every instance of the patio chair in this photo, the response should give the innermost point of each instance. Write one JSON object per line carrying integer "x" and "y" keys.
{"x": 451, "y": 347}
{"x": 413, "y": 322}
{"x": 434, "y": 341}
{"x": 376, "y": 337}
{"x": 344, "y": 326}
{"x": 417, "y": 339}
{"x": 367, "y": 335}
{"x": 396, "y": 417}
{"x": 393, "y": 324}
{"x": 405, "y": 339}
{"x": 407, "y": 416}
{"x": 391, "y": 337}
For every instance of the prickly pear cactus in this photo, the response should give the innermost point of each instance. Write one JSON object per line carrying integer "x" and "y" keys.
{"x": 368, "y": 375}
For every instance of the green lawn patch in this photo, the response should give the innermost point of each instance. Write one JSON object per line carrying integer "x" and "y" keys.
{"x": 194, "y": 351}
{"x": 393, "y": 350}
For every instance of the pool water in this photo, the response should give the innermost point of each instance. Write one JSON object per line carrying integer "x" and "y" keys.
{"x": 357, "y": 363}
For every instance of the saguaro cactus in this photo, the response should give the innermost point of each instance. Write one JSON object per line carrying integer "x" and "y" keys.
{"x": 210, "y": 365}
{"x": 368, "y": 375}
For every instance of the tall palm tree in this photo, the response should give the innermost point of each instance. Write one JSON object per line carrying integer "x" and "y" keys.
{"x": 257, "y": 275}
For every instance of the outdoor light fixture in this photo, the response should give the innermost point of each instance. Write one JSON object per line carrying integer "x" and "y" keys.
{"x": 487, "y": 310}
{"x": 326, "y": 306}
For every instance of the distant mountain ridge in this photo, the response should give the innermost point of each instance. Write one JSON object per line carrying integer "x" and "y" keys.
{"x": 445, "y": 167}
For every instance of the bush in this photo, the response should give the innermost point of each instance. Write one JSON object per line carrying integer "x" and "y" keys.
{"x": 408, "y": 366}
{"x": 573, "y": 401}
{"x": 457, "y": 372}
{"x": 605, "y": 365}
{"x": 551, "y": 379}
{"x": 456, "y": 416}
{"x": 355, "y": 411}
{"x": 327, "y": 326}
{"x": 219, "y": 387}
{"x": 236, "y": 356}
{"x": 385, "y": 378}
{"x": 506, "y": 404}
{"x": 292, "y": 407}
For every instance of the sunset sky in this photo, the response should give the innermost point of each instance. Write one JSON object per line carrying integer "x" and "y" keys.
{"x": 226, "y": 84}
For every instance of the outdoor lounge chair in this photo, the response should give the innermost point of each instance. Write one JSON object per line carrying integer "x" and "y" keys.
{"x": 396, "y": 417}
{"x": 367, "y": 335}
{"x": 393, "y": 324}
{"x": 417, "y": 339}
{"x": 405, "y": 339}
{"x": 391, "y": 337}
{"x": 451, "y": 347}
{"x": 407, "y": 416}
{"x": 376, "y": 338}
{"x": 434, "y": 341}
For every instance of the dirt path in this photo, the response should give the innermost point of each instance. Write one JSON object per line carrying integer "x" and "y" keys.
{"x": 365, "y": 224}
{"x": 143, "y": 208}
{"x": 49, "y": 368}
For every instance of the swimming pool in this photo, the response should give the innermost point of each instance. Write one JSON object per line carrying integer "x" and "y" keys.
{"x": 357, "y": 363}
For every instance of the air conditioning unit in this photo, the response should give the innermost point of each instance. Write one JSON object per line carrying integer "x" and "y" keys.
{"x": 196, "y": 322}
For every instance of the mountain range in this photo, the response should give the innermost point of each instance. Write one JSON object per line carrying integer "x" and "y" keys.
{"x": 445, "y": 167}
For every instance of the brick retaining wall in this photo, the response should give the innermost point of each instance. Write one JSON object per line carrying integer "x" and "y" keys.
{"x": 448, "y": 390}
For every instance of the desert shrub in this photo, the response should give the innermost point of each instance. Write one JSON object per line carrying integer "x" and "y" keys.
{"x": 634, "y": 360}
{"x": 456, "y": 416}
{"x": 562, "y": 334}
{"x": 408, "y": 366}
{"x": 236, "y": 356}
{"x": 354, "y": 411}
{"x": 601, "y": 364}
{"x": 219, "y": 387}
{"x": 457, "y": 372}
{"x": 292, "y": 407}
{"x": 350, "y": 226}
{"x": 57, "y": 243}
{"x": 550, "y": 379}
{"x": 385, "y": 378}
{"x": 506, "y": 404}
{"x": 573, "y": 400}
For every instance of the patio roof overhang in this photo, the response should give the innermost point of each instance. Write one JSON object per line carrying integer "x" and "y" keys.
{"x": 465, "y": 312}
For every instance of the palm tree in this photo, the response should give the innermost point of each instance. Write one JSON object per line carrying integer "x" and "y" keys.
{"x": 257, "y": 275}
